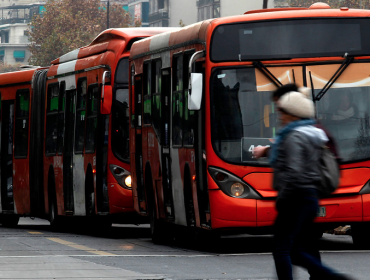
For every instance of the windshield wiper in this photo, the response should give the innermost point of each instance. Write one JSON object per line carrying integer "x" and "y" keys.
{"x": 267, "y": 73}
{"x": 333, "y": 79}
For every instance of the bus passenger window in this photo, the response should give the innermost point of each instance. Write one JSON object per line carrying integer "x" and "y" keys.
{"x": 51, "y": 120}
{"x": 189, "y": 116}
{"x": 177, "y": 102}
{"x": 120, "y": 124}
{"x": 80, "y": 116}
{"x": 61, "y": 117}
{"x": 147, "y": 93}
{"x": 92, "y": 118}
{"x": 156, "y": 97}
{"x": 21, "y": 123}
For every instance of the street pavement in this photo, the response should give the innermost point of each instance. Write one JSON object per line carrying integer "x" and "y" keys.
{"x": 33, "y": 251}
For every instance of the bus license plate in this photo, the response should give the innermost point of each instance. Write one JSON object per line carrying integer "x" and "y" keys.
{"x": 321, "y": 212}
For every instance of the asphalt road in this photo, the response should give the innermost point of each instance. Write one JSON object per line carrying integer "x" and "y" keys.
{"x": 33, "y": 251}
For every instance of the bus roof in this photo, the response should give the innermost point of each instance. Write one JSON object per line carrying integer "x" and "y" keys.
{"x": 198, "y": 32}
{"x": 101, "y": 42}
{"x": 17, "y": 77}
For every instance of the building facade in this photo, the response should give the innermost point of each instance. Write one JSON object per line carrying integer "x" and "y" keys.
{"x": 175, "y": 13}
{"x": 139, "y": 11}
{"x": 13, "y": 29}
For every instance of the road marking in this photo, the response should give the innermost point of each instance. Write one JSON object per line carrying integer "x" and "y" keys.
{"x": 35, "y": 232}
{"x": 169, "y": 256}
{"x": 80, "y": 247}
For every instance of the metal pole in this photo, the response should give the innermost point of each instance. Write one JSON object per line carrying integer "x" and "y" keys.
{"x": 265, "y": 2}
{"x": 108, "y": 14}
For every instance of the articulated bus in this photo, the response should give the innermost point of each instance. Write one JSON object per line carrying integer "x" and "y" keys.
{"x": 201, "y": 101}
{"x": 65, "y": 135}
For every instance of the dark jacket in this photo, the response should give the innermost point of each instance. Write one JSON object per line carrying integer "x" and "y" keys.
{"x": 296, "y": 167}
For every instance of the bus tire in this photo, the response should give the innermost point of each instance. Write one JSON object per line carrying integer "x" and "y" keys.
{"x": 54, "y": 219}
{"x": 158, "y": 231}
{"x": 9, "y": 220}
{"x": 360, "y": 235}
{"x": 89, "y": 195}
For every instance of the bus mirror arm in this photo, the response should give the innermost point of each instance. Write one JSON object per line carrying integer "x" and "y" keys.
{"x": 195, "y": 84}
{"x": 106, "y": 96}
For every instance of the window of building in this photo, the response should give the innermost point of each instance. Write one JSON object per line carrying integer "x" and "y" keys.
{"x": 21, "y": 123}
{"x": 80, "y": 115}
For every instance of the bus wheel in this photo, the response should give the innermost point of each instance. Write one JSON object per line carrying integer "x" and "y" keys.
{"x": 158, "y": 228}
{"x": 189, "y": 204}
{"x": 90, "y": 196}
{"x": 9, "y": 220}
{"x": 54, "y": 219}
{"x": 360, "y": 236}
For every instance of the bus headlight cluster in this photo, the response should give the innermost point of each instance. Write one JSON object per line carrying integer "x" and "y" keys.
{"x": 122, "y": 176}
{"x": 232, "y": 185}
{"x": 237, "y": 189}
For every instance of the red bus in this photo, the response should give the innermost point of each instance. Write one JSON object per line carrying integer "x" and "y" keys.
{"x": 65, "y": 134}
{"x": 203, "y": 95}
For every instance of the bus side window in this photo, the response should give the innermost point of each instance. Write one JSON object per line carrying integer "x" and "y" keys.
{"x": 177, "y": 101}
{"x": 61, "y": 109}
{"x": 147, "y": 93}
{"x": 156, "y": 96}
{"x": 51, "y": 119}
{"x": 189, "y": 117}
{"x": 21, "y": 123}
{"x": 80, "y": 115}
{"x": 92, "y": 117}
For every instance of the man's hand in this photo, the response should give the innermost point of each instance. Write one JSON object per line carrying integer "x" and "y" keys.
{"x": 260, "y": 151}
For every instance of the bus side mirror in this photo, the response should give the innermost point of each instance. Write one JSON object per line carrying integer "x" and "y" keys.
{"x": 195, "y": 92}
{"x": 106, "y": 100}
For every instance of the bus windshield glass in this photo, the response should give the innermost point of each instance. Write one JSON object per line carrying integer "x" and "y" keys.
{"x": 244, "y": 116}
{"x": 287, "y": 39}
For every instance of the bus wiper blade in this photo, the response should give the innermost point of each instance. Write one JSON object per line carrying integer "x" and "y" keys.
{"x": 333, "y": 79}
{"x": 267, "y": 73}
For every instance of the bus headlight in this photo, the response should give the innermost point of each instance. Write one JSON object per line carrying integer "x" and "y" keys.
{"x": 128, "y": 181}
{"x": 237, "y": 189}
{"x": 122, "y": 176}
{"x": 232, "y": 185}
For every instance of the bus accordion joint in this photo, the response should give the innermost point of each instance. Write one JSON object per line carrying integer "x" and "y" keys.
{"x": 106, "y": 95}
{"x": 231, "y": 185}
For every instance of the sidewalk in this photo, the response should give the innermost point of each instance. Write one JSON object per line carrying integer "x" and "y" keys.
{"x": 61, "y": 268}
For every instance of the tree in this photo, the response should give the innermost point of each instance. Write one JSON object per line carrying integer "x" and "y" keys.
{"x": 4, "y": 67}
{"x": 354, "y": 4}
{"x": 66, "y": 25}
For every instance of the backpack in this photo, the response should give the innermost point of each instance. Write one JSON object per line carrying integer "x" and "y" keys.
{"x": 329, "y": 172}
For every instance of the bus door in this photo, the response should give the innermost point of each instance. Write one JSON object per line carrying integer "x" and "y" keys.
{"x": 68, "y": 150}
{"x": 138, "y": 160}
{"x": 165, "y": 151}
{"x": 6, "y": 154}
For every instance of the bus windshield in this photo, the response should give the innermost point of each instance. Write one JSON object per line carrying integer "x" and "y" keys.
{"x": 293, "y": 38}
{"x": 244, "y": 116}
